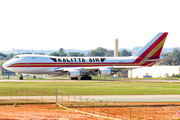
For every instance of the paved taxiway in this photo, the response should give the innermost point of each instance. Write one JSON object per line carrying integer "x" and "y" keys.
{"x": 121, "y": 80}
{"x": 110, "y": 98}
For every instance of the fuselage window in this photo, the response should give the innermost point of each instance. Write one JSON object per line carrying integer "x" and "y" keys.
{"x": 33, "y": 57}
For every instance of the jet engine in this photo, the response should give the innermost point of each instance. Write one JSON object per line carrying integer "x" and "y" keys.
{"x": 74, "y": 74}
{"x": 106, "y": 72}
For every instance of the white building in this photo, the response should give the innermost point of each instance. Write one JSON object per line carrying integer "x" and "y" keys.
{"x": 154, "y": 71}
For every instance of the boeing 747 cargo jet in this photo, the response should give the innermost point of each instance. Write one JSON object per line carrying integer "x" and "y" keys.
{"x": 83, "y": 67}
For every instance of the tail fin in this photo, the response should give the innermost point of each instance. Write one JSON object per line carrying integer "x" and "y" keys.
{"x": 152, "y": 49}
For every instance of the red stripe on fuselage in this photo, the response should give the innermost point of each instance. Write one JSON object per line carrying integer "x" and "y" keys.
{"x": 74, "y": 64}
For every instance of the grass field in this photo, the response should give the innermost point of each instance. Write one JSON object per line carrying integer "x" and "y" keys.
{"x": 88, "y": 88}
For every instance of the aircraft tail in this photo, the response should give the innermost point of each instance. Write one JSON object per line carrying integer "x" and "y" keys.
{"x": 152, "y": 49}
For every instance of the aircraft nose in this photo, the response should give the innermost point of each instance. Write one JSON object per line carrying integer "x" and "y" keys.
{"x": 7, "y": 65}
{"x": 4, "y": 65}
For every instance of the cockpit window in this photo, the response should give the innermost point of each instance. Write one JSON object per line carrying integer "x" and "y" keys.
{"x": 54, "y": 59}
{"x": 16, "y": 57}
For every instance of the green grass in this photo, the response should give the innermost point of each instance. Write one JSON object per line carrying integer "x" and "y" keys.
{"x": 15, "y": 104}
{"x": 1, "y": 62}
{"x": 88, "y": 88}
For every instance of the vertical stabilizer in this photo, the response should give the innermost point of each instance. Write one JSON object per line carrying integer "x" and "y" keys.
{"x": 152, "y": 49}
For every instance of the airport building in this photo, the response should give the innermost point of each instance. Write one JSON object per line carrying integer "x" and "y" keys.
{"x": 5, "y": 72}
{"x": 154, "y": 72}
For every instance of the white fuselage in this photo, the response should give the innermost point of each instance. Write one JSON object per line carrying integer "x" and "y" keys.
{"x": 41, "y": 64}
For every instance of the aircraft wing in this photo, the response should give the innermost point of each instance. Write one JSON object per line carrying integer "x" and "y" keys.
{"x": 124, "y": 68}
{"x": 90, "y": 70}
{"x": 95, "y": 69}
{"x": 83, "y": 69}
{"x": 68, "y": 68}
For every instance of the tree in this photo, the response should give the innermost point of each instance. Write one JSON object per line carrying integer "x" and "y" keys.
{"x": 24, "y": 53}
{"x": 76, "y": 54}
{"x": 110, "y": 53}
{"x": 62, "y": 53}
{"x": 2, "y": 56}
{"x": 40, "y": 53}
{"x": 125, "y": 53}
{"x": 59, "y": 53}
{"x": 54, "y": 54}
{"x": 174, "y": 54}
{"x": 9, "y": 56}
{"x": 27, "y": 53}
{"x": 101, "y": 49}
{"x": 1, "y": 63}
{"x": 98, "y": 52}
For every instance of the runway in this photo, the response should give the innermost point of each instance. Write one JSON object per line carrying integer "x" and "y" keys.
{"x": 108, "y": 80}
{"x": 136, "y": 98}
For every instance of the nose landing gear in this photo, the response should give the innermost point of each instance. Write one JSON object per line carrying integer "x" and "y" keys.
{"x": 21, "y": 77}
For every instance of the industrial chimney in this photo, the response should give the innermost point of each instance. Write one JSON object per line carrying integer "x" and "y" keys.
{"x": 116, "y": 48}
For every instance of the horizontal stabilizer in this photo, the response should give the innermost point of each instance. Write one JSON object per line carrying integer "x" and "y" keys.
{"x": 157, "y": 60}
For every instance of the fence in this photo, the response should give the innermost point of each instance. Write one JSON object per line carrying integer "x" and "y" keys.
{"x": 117, "y": 110}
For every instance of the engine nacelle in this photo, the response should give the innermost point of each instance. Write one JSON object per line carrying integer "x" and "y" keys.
{"x": 74, "y": 74}
{"x": 106, "y": 72}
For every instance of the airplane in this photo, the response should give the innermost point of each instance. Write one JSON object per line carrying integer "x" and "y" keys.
{"x": 84, "y": 67}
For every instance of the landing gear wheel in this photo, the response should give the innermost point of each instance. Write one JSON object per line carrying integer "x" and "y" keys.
{"x": 21, "y": 77}
{"x": 86, "y": 77}
{"x": 74, "y": 78}
{"x": 89, "y": 78}
{"x": 82, "y": 78}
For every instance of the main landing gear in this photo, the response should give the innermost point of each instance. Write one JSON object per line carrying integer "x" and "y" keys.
{"x": 86, "y": 77}
{"x": 21, "y": 77}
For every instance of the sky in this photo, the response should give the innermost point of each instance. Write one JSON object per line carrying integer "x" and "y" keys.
{"x": 86, "y": 24}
